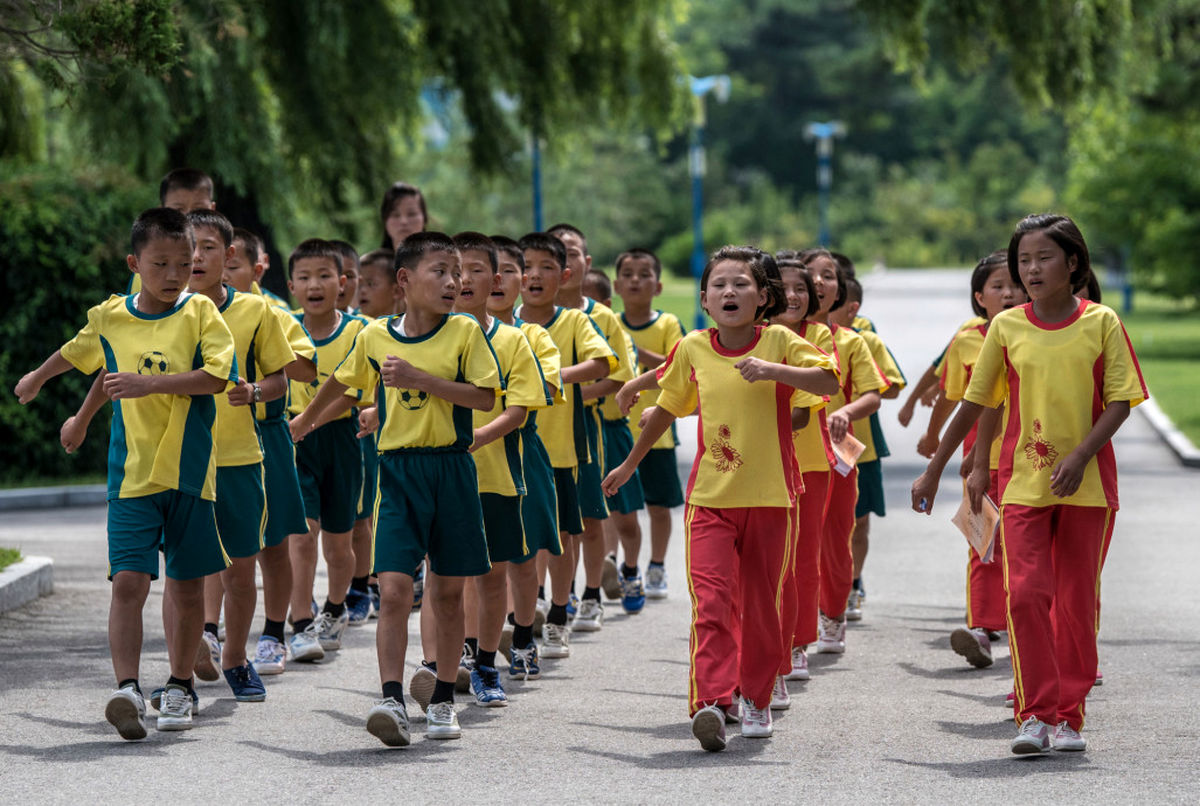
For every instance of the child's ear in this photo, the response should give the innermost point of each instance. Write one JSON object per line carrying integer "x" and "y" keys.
{"x": 259, "y": 270}
{"x": 132, "y": 263}
{"x": 979, "y": 298}
{"x": 658, "y": 288}
{"x": 566, "y": 275}
{"x": 762, "y": 298}
{"x": 402, "y": 278}
{"x": 291, "y": 287}
{"x": 230, "y": 252}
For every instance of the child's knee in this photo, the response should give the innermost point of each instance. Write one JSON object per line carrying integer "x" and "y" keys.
{"x": 337, "y": 547}
{"x": 130, "y": 587}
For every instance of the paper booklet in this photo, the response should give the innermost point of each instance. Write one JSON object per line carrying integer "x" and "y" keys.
{"x": 847, "y": 452}
{"x": 979, "y": 527}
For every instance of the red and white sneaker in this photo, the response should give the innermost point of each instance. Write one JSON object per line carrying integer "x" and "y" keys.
{"x": 799, "y": 665}
{"x": 1033, "y": 737}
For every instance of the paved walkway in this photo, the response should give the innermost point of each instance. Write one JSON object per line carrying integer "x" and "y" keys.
{"x": 899, "y": 718}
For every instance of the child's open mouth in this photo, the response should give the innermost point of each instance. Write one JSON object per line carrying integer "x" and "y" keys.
{"x": 729, "y": 306}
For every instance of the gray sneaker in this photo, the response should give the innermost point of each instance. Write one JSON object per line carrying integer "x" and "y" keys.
{"x": 441, "y": 722}
{"x": 1033, "y": 737}
{"x": 176, "y": 713}
{"x": 590, "y": 617}
{"x": 306, "y": 646}
{"x": 610, "y": 578}
{"x": 125, "y": 710}
{"x": 388, "y": 722}
{"x": 974, "y": 645}
{"x": 331, "y": 628}
{"x": 555, "y": 641}
{"x": 656, "y": 582}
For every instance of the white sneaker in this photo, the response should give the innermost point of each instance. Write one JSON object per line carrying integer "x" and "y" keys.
{"x": 125, "y": 710}
{"x": 441, "y": 722}
{"x": 799, "y": 665}
{"x": 1067, "y": 739}
{"x": 656, "y": 582}
{"x": 388, "y": 722}
{"x": 540, "y": 611}
{"x": 780, "y": 699}
{"x": 306, "y": 646}
{"x": 974, "y": 645}
{"x": 854, "y": 606}
{"x": 708, "y": 726}
{"x": 1033, "y": 737}
{"x": 269, "y": 656}
{"x": 610, "y": 579}
{"x": 331, "y": 629}
{"x": 176, "y": 713}
{"x": 208, "y": 657}
{"x": 590, "y": 617}
{"x": 421, "y": 686}
{"x": 831, "y": 636}
{"x": 555, "y": 641}
{"x": 756, "y": 722}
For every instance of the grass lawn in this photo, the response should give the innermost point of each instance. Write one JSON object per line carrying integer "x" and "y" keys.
{"x": 8, "y": 557}
{"x": 1166, "y": 337}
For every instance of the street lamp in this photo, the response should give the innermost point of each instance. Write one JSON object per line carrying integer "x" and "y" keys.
{"x": 824, "y": 133}
{"x": 719, "y": 86}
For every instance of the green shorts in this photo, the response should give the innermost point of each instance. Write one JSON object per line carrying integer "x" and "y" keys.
{"x": 618, "y": 442}
{"x": 502, "y": 528}
{"x": 241, "y": 509}
{"x": 660, "y": 478}
{"x": 870, "y": 489}
{"x": 370, "y": 462}
{"x": 429, "y": 505}
{"x": 329, "y": 464}
{"x": 183, "y": 526}
{"x": 567, "y": 494}
{"x": 285, "y": 503}
{"x": 591, "y": 497}
{"x": 539, "y": 507}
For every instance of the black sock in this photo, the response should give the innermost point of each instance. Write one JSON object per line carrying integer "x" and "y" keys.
{"x": 334, "y": 610}
{"x": 628, "y": 571}
{"x": 522, "y": 636}
{"x": 179, "y": 681}
{"x": 572, "y": 586}
{"x": 301, "y": 625}
{"x": 657, "y": 565}
{"x": 442, "y": 692}
{"x": 857, "y": 584}
{"x": 485, "y": 658}
{"x": 472, "y": 647}
{"x": 359, "y": 584}
{"x": 374, "y": 587}
{"x": 541, "y": 591}
{"x": 557, "y": 615}
{"x": 591, "y": 593}
{"x": 210, "y": 627}
{"x": 130, "y": 682}
{"x": 395, "y": 690}
{"x": 273, "y": 629}
{"x": 511, "y": 618}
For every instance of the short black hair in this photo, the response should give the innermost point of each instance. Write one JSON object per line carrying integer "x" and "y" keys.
{"x": 846, "y": 263}
{"x": 511, "y": 248}
{"x": 853, "y": 290}
{"x": 249, "y": 240}
{"x": 382, "y": 259}
{"x": 398, "y": 191}
{"x": 545, "y": 242}
{"x": 347, "y": 251}
{"x": 809, "y": 288}
{"x": 315, "y": 247}
{"x": 184, "y": 179}
{"x": 562, "y": 226}
{"x": 807, "y": 256}
{"x": 599, "y": 282}
{"x": 213, "y": 220}
{"x": 470, "y": 241}
{"x": 639, "y": 251}
{"x": 982, "y": 271}
{"x": 160, "y": 222}
{"x": 763, "y": 269}
{"x": 420, "y": 244}
{"x": 1064, "y": 232}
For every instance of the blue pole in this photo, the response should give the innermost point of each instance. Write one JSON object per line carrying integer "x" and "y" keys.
{"x": 699, "y": 257}
{"x": 824, "y": 180}
{"x": 537, "y": 185}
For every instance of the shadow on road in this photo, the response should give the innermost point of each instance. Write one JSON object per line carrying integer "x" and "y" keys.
{"x": 1008, "y": 767}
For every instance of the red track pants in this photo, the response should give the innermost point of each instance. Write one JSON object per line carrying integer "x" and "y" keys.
{"x": 837, "y": 563}
{"x": 735, "y": 563}
{"x": 987, "y": 605}
{"x": 802, "y": 588}
{"x": 1052, "y": 560}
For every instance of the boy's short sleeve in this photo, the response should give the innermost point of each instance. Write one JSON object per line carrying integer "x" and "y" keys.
{"x": 478, "y": 363}
{"x": 297, "y": 337}
{"x": 680, "y": 394}
{"x": 549, "y": 360}
{"x": 1122, "y": 375}
{"x": 273, "y": 350}
{"x": 989, "y": 384}
{"x": 84, "y": 352}
{"x": 590, "y": 342}
{"x": 216, "y": 343}
{"x": 526, "y": 387}
{"x": 357, "y": 371}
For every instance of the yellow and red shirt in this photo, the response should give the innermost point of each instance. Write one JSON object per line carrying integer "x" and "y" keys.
{"x": 659, "y": 335}
{"x": 875, "y": 447}
{"x": 814, "y": 451}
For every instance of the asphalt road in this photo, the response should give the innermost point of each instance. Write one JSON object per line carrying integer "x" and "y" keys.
{"x": 899, "y": 718}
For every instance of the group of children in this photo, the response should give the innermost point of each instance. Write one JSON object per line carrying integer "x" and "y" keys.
{"x": 455, "y": 423}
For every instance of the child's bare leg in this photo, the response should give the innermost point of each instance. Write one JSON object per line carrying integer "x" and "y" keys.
{"x": 362, "y": 547}
{"x": 214, "y": 592}
{"x": 660, "y": 533}
{"x": 339, "y": 563}
{"x": 391, "y": 637}
{"x": 241, "y": 596}
{"x": 490, "y": 599}
{"x": 428, "y": 622}
{"x": 860, "y": 542}
{"x": 447, "y": 607}
{"x": 277, "y": 580}
{"x": 129, "y": 592}
{"x": 303, "y": 552}
{"x": 629, "y": 533}
{"x": 562, "y": 571}
{"x": 592, "y": 549}
{"x": 522, "y": 591}
{"x": 611, "y": 538}
{"x": 187, "y": 603}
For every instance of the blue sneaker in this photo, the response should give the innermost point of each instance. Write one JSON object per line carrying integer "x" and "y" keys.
{"x": 358, "y": 607}
{"x": 523, "y": 663}
{"x": 418, "y": 586}
{"x": 246, "y": 685}
{"x": 572, "y": 606}
{"x": 485, "y": 681}
{"x": 633, "y": 595}
{"x": 374, "y": 601}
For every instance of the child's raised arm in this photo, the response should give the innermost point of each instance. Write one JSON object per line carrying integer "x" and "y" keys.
{"x": 128, "y": 385}
{"x": 398, "y": 373}
{"x": 591, "y": 370}
{"x": 816, "y": 380}
{"x": 28, "y": 387}
{"x": 628, "y": 394}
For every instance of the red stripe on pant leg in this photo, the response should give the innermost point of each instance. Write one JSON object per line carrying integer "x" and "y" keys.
{"x": 1029, "y": 577}
{"x": 812, "y": 507}
{"x": 837, "y": 563}
{"x": 988, "y": 606}
{"x": 788, "y": 606}
{"x": 762, "y": 558}
{"x": 711, "y": 556}
{"x": 1079, "y": 538}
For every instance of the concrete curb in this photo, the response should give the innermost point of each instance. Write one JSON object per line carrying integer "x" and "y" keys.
{"x": 79, "y": 495}
{"x": 1177, "y": 441}
{"x": 25, "y": 581}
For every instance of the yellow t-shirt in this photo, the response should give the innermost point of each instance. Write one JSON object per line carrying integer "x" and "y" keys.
{"x": 548, "y": 358}
{"x": 857, "y": 374}
{"x": 659, "y": 335}
{"x": 618, "y": 340}
{"x": 455, "y": 350}
{"x": 158, "y": 442}
{"x": 814, "y": 451}
{"x": 330, "y": 352}
{"x": 745, "y": 429}
{"x": 1057, "y": 380}
{"x": 863, "y": 325}
{"x": 302, "y": 347}
{"x": 886, "y": 363}
{"x": 262, "y": 349}
{"x": 578, "y": 339}
{"x": 958, "y": 364}
{"x": 939, "y": 364}
{"x": 499, "y": 462}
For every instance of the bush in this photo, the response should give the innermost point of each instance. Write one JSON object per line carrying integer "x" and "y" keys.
{"x": 65, "y": 237}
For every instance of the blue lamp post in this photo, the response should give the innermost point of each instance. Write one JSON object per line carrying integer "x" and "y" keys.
{"x": 824, "y": 133}
{"x": 700, "y": 87}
